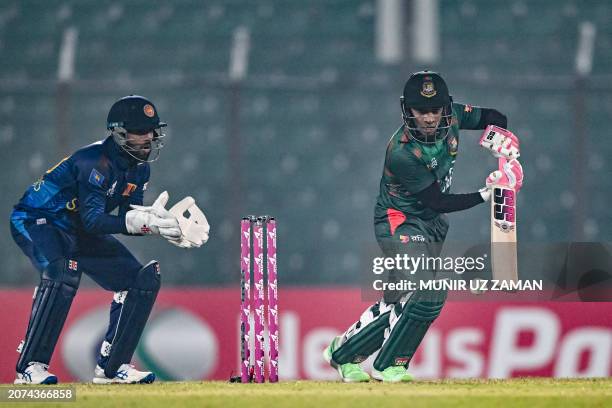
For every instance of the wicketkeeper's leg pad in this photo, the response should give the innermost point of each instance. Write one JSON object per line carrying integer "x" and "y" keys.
{"x": 129, "y": 314}
{"x": 52, "y": 300}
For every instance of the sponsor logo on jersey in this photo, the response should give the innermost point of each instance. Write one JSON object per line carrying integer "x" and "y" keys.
{"x": 41, "y": 221}
{"x": 96, "y": 178}
{"x": 148, "y": 110}
{"x": 111, "y": 191}
{"x": 38, "y": 183}
{"x": 445, "y": 183}
{"x": 129, "y": 189}
{"x": 72, "y": 205}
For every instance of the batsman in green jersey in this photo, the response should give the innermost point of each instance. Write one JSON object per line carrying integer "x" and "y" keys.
{"x": 410, "y": 211}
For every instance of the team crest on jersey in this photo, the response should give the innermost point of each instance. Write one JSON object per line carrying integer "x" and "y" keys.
{"x": 96, "y": 178}
{"x": 468, "y": 108}
{"x": 427, "y": 89}
{"x": 453, "y": 146}
{"x": 129, "y": 189}
{"x": 148, "y": 110}
{"x": 404, "y": 239}
{"x": 73, "y": 265}
{"x": 417, "y": 152}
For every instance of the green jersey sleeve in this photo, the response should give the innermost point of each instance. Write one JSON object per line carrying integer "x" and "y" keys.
{"x": 468, "y": 116}
{"x": 410, "y": 172}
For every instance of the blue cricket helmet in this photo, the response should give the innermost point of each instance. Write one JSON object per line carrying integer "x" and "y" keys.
{"x": 138, "y": 115}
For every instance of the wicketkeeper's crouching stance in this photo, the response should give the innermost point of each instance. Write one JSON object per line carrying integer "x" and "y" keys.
{"x": 63, "y": 223}
{"x": 409, "y": 218}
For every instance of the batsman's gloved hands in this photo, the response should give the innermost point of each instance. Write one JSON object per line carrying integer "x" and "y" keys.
{"x": 501, "y": 142}
{"x": 154, "y": 219}
{"x": 509, "y": 175}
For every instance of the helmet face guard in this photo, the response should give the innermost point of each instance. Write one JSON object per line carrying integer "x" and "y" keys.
{"x": 418, "y": 133}
{"x": 426, "y": 91}
{"x": 138, "y": 152}
{"x": 136, "y": 115}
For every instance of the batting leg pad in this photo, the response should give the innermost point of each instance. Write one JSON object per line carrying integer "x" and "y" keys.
{"x": 134, "y": 312}
{"x": 365, "y": 336}
{"x": 59, "y": 283}
{"x": 408, "y": 323}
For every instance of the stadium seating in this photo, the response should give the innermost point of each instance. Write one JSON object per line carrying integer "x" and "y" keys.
{"x": 315, "y": 113}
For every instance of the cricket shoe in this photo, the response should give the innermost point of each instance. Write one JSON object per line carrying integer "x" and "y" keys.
{"x": 126, "y": 374}
{"x": 36, "y": 373}
{"x": 392, "y": 374}
{"x": 349, "y": 372}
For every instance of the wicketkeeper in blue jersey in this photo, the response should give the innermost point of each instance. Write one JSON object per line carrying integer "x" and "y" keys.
{"x": 64, "y": 224}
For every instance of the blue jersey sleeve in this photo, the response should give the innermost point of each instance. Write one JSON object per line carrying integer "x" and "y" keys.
{"x": 92, "y": 184}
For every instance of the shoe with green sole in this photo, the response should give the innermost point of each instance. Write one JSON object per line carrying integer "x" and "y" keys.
{"x": 392, "y": 374}
{"x": 349, "y": 372}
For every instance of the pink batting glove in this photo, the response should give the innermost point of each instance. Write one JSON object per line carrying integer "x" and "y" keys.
{"x": 501, "y": 142}
{"x": 510, "y": 174}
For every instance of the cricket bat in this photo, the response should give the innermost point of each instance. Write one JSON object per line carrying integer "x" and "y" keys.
{"x": 502, "y": 143}
{"x": 504, "y": 260}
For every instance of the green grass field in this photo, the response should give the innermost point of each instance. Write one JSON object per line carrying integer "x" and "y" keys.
{"x": 527, "y": 392}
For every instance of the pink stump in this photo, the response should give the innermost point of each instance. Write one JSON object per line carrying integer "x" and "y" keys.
{"x": 245, "y": 298}
{"x": 272, "y": 300}
{"x": 258, "y": 277}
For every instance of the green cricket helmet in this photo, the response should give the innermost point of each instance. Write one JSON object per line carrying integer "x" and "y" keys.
{"x": 426, "y": 91}
{"x": 138, "y": 115}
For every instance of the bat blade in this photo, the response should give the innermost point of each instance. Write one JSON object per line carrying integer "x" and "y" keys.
{"x": 504, "y": 261}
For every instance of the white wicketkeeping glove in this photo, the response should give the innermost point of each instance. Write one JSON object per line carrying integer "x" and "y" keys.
{"x": 194, "y": 229}
{"x": 154, "y": 219}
